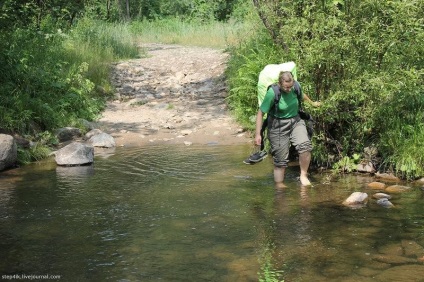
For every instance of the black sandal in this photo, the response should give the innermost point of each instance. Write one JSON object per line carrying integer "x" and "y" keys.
{"x": 256, "y": 157}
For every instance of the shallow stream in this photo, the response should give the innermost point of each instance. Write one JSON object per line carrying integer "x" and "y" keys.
{"x": 196, "y": 213}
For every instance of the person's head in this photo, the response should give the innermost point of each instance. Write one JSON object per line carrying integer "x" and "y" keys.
{"x": 286, "y": 81}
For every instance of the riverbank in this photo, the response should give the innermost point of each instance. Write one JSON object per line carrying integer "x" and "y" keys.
{"x": 175, "y": 95}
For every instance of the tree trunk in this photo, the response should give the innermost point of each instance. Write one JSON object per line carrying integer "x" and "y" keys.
{"x": 273, "y": 30}
{"x": 128, "y": 9}
{"x": 108, "y": 9}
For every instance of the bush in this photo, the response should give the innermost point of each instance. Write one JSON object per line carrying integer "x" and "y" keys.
{"x": 363, "y": 61}
{"x": 48, "y": 77}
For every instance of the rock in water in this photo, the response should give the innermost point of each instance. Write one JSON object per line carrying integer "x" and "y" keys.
{"x": 356, "y": 200}
{"x": 381, "y": 196}
{"x": 384, "y": 202}
{"x": 75, "y": 154}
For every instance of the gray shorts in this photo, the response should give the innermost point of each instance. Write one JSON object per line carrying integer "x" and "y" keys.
{"x": 282, "y": 133}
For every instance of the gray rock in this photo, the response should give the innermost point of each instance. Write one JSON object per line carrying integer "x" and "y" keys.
{"x": 102, "y": 140}
{"x": 93, "y": 132}
{"x": 384, "y": 202}
{"x": 87, "y": 124}
{"x": 366, "y": 167}
{"x": 68, "y": 133}
{"x": 75, "y": 154}
{"x": 8, "y": 151}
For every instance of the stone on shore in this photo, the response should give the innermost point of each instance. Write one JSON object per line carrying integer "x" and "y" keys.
{"x": 8, "y": 151}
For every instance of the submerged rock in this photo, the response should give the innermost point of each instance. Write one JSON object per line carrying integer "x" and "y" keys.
{"x": 397, "y": 189}
{"x": 356, "y": 200}
{"x": 393, "y": 259}
{"x": 402, "y": 273}
{"x": 384, "y": 202}
{"x": 412, "y": 249}
{"x": 377, "y": 185}
{"x": 381, "y": 196}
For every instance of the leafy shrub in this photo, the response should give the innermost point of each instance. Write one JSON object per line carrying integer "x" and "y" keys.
{"x": 363, "y": 61}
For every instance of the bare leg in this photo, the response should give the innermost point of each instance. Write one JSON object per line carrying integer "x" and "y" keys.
{"x": 304, "y": 160}
{"x": 279, "y": 176}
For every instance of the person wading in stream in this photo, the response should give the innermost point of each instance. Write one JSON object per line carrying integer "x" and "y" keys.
{"x": 285, "y": 128}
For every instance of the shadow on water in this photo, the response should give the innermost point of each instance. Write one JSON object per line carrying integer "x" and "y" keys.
{"x": 199, "y": 214}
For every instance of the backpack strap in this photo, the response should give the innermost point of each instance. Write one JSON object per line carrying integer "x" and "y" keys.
{"x": 277, "y": 95}
{"x": 298, "y": 91}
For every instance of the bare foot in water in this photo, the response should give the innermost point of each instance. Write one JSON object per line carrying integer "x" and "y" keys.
{"x": 280, "y": 185}
{"x": 305, "y": 181}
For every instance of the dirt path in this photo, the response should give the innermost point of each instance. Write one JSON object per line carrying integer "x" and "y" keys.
{"x": 175, "y": 95}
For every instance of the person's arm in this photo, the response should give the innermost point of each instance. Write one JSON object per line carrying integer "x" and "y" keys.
{"x": 259, "y": 121}
{"x": 307, "y": 99}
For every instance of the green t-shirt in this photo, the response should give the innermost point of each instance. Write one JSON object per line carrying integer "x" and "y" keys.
{"x": 287, "y": 107}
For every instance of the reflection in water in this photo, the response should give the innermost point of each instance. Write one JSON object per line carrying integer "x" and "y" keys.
{"x": 199, "y": 214}
{"x": 74, "y": 172}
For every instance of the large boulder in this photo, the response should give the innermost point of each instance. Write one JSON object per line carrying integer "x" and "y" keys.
{"x": 75, "y": 154}
{"x": 8, "y": 151}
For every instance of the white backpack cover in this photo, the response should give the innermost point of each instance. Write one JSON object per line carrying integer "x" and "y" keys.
{"x": 269, "y": 75}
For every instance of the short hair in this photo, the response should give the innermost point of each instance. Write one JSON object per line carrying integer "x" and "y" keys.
{"x": 285, "y": 76}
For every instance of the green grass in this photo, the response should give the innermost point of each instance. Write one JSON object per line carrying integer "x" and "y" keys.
{"x": 174, "y": 31}
{"x": 100, "y": 44}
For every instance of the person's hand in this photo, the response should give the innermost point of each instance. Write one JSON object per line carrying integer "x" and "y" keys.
{"x": 316, "y": 104}
{"x": 258, "y": 139}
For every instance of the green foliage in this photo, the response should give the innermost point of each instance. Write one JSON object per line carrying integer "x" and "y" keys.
{"x": 347, "y": 164}
{"x": 39, "y": 149}
{"x": 99, "y": 43}
{"x": 35, "y": 153}
{"x": 55, "y": 63}
{"x": 268, "y": 273}
{"x": 246, "y": 61}
{"x": 101, "y": 36}
{"x": 363, "y": 61}
{"x": 173, "y": 30}
{"x": 139, "y": 10}
{"x": 406, "y": 143}
{"x": 29, "y": 13}
{"x": 49, "y": 77}
{"x": 39, "y": 86}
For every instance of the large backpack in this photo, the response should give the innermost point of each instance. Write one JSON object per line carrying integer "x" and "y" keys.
{"x": 269, "y": 75}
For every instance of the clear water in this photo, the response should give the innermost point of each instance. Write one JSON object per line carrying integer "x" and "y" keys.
{"x": 170, "y": 213}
